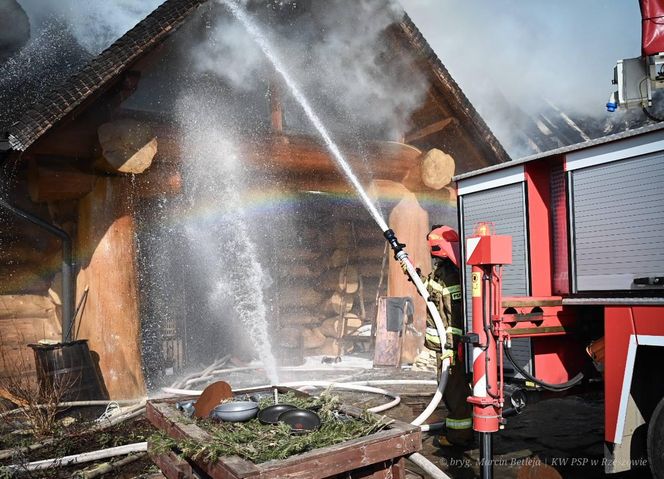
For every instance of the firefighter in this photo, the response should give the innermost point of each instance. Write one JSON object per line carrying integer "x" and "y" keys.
{"x": 443, "y": 284}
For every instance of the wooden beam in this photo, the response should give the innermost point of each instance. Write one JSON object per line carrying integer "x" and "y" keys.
{"x": 57, "y": 183}
{"x": 430, "y": 129}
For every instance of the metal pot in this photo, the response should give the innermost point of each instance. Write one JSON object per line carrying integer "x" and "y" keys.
{"x": 235, "y": 411}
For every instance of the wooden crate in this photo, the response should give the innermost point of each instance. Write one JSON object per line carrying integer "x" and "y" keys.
{"x": 377, "y": 456}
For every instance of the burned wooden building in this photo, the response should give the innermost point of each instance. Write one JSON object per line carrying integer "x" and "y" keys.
{"x": 101, "y": 157}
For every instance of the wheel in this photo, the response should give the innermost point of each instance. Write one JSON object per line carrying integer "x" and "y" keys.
{"x": 656, "y": 441}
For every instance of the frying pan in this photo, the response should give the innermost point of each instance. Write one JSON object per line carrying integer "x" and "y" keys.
{"x": 300, "y": 420}
{"x": 270, "y": 414}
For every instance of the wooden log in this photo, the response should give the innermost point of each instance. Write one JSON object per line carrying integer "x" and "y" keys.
{"x": 437, "y": 169}
{"x": 312, "y": 338}
{"x": 329, "y": 280}
{"x": 299, "y": 318}
{"x": 372, "y": 251}
{"x": 16, "y": 253}
{"x": 23, "y": 279}
{"x": 329, "y": 347}
{"x": 20, "y": 306}
{"x": 18, "y": 333}
{"x": 332, "y": 327}
{"x": 372, "y": 268}
{"x": 308, "y": 255}
{"x": 298, "y": 271}
{"x": 64, "y": 182}
{"x": 156, "y": 183}
{"x": 430, "y": 129}
{"x": 343, "y": 279}
{"x": 128, "y": 146}
{"x": 349, "y": 280}
{"x": 338, "y": 258}
{"x": 299, "y": 297}
{"x": 111, "y": 321}
{"x": 339, "y": 302}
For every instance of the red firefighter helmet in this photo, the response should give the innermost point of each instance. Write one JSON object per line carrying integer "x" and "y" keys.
{"x": 444, "y": 243}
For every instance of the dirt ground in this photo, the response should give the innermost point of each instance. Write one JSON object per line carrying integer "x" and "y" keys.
{"x": 561, "y": 433}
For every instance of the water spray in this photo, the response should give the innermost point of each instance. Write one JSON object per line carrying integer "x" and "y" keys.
{"x": 398, "y": 248}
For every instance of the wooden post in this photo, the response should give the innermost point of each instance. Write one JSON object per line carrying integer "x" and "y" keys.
{"x": 411, "y": 224}
{"x": 107, "y": 258}
{"x": 276, "y": 107}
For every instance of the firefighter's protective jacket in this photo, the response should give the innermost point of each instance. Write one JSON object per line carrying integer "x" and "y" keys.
{"x": 445, "y": 291}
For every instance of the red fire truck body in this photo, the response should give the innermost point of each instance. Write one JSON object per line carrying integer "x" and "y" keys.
{"x": 587, "y": 229}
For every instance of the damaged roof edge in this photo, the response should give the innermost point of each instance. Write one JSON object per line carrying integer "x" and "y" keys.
{"x": 564, "y": 150}
{"x": 99, "y": 72}
{"x": 463, "y": 106}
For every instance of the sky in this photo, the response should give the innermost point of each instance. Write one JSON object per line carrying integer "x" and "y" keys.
{"x": 531, "y": 51}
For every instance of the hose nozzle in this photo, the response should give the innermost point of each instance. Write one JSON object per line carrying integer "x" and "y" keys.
{"x": 394, "y": 242}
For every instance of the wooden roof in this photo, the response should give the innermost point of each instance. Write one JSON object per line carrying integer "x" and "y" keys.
{"x": 452, "y": 108}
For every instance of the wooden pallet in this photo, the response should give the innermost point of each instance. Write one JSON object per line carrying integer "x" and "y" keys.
{"x": 376, "y": 456}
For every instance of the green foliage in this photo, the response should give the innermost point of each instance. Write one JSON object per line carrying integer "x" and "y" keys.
{"x": 259, "y": 443}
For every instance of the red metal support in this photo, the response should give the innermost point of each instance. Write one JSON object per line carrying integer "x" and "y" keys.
{"x": 485, "y": 252}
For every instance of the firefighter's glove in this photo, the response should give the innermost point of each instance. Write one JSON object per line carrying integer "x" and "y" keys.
{"x": 405, "y": 270}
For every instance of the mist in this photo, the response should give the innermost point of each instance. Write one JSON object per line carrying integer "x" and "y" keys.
{"x": 341, "y": 61}
{"x": 94, "y": 23}
{"x": 512, "y": 55}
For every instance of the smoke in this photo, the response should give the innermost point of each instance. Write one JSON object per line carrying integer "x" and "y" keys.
{"x": 94, "y": 23}
{"x": 512, "y": 55}
{"x": 14, "y": 28}
{"x": 345, "y": 63}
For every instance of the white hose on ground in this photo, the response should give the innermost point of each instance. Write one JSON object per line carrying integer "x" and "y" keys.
{"x": 217, "y": 372}
{"x": 130, "y": 413}
{"x": 81, "y": 458}
{"x": 427, "y": 466}
{"x": 319, "y": 384}
{"x": 103, "y": 402}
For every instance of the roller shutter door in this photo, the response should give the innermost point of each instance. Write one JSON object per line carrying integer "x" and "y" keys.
{"x": 504, "y": 207}
{"x": 618, "y": 223}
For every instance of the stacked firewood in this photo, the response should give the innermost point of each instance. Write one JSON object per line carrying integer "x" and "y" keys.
{"x": 341, "y": 271}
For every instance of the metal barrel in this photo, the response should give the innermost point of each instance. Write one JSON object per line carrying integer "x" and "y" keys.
{"x": 69, "y": 368}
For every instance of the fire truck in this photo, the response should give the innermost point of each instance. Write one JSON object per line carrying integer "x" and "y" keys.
{"x": 564, "y": 255}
